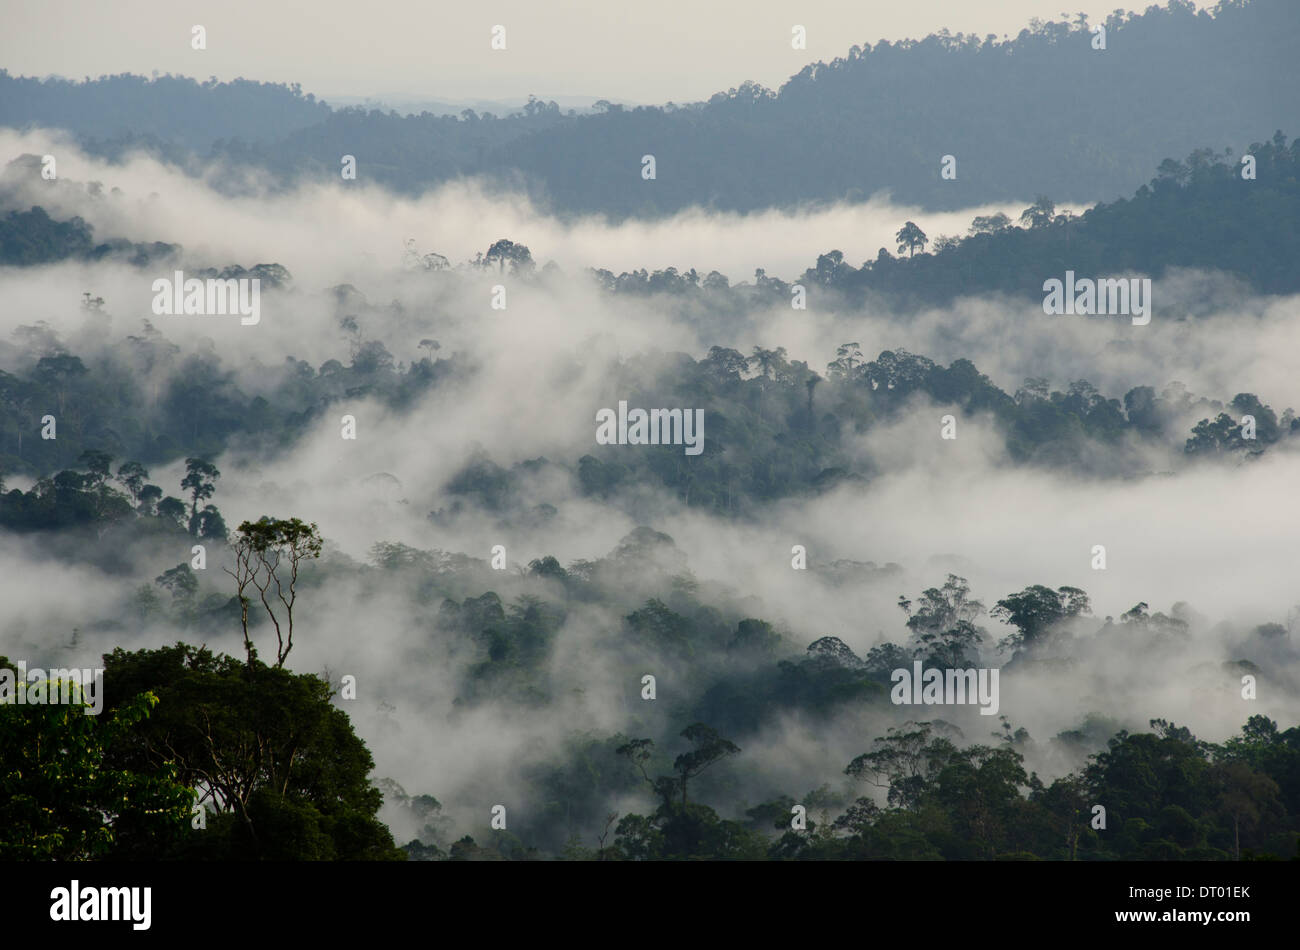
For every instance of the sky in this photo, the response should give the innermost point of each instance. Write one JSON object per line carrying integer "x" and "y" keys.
{"x": 668, "y": 50}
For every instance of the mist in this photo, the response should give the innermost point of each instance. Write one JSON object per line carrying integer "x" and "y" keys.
{"x": 1215, "y": 537}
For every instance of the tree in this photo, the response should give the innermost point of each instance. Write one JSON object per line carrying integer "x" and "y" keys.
{"x": 1140, "y": 774}
{"x": 505, "y": 252}
{"x": 769, "y": 362}
{"x": 830, "y": 267}
{"x": 1066, "y": 801}
{"x": 431, "y": 346}
{"x": 1247, "y": 797}
{"x": 847, "y": 356}
{"x": 1035, "y": 610}
{"x": 979, "y": 788}
{"x": 1040, "y": 213}
{"x": 638, "y": 752}
{"x": 63, "y": 797}
{"x": 182, "y": 583}
{"x": 132, "y": 476}
{"x": 1065, "y": 218}
{"x": 1173, "y": 170}
{"x": 903, "y": 761}
{"x": 371, "y": 357}
{"x": 97, "y": 464}
{"x": 811, "y": 384}
{"x": 352, "y": 333}
{"x": 212, "y": 527}
{"x": 709, "y": 748}
{"x": 150, "y": 496}
{"x": 278, "y": 765}
{"x": 885, "y": 658}
{"x": 268, "y": 555}
{"x": 682, "y": 830}
{"x": 413, "y": 260}
{"x": 909, "y": 238}
{"x": 724, "y": 364}
{"x": 108, "y": 504}
{"x": 60, "y": 372}
{"x": 990, "y": 223}
{"x": 755, "y": 635}
{"x": 715, "y": 281}
{"x": 943, "y": 625}
{"x": 200, "y": 479}
{"x": 172, "y": 510}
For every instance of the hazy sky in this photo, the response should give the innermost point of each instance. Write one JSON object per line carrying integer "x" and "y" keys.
{"x": 657, "y": 51}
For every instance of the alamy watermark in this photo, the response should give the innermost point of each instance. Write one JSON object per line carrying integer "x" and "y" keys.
{"x": 1123, "y": 296}
{"x": 935, "y": 687}
{"x": 655, "y": 427}
{"x": 75, "y": 903}
{"x": 215, "y": 296}
{"x": 37, "y": 687}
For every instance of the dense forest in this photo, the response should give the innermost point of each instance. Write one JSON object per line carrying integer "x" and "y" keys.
{"x": 479, "y": 630}
{"x": 33, "y": 237}
{"x": 777, "y": 426}
{"x": 1198, "y": 213}
{"x": 835, "y": 131}
{"x": 183, "y": 717}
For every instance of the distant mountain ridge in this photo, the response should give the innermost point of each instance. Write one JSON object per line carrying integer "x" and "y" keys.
{"x": 881, "y": 118}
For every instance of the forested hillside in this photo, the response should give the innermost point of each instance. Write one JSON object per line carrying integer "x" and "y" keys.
{"x": 880, "y": 117}
{"x": 365, "y": 519}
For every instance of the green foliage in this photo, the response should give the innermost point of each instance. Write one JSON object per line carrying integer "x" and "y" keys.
{"x": 32, "y": 237}
{"x": 683, "y": 830}
{"x": 943, "y": 624}
{"x": 265, "y": 748}
{"x": 65, "y": 797}
{"x": 1036, "y": 610}
{"x": 87, "y": 500}
{"x": 931, "y": 796}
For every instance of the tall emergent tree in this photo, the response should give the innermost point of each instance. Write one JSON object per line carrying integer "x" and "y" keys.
{"x": 909, "y": 238}
{"x": 268, "y": 555}
{"x": 200, "y": 480}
